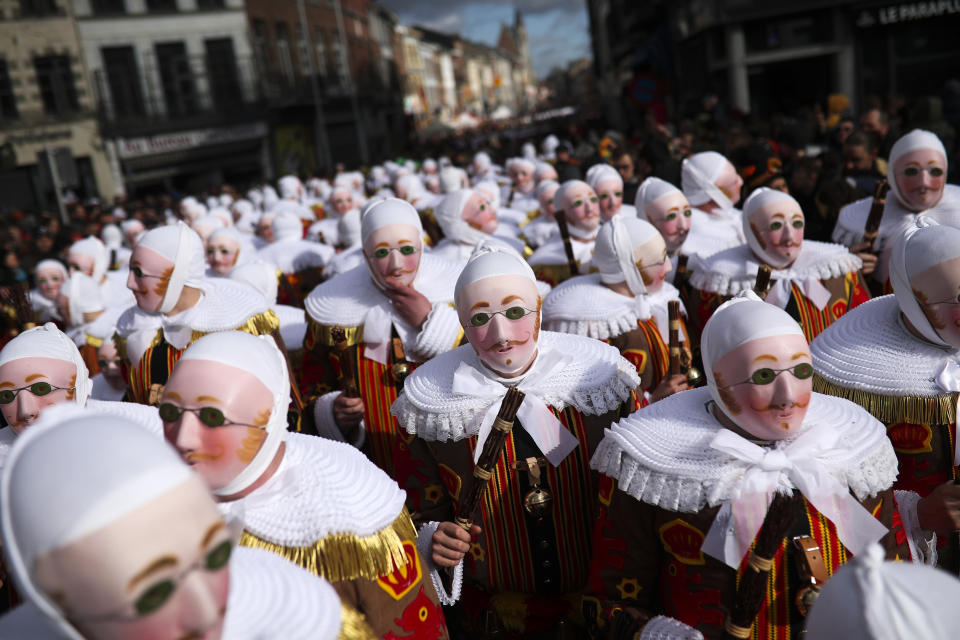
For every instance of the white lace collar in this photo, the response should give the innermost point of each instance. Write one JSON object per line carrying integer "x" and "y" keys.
{"x": 345, "y": 299}
{"x": 662, "y": 454}
{"x": 225, "y": 305}
{"x": 853, "y": 217}
{"x": 870, "y": 349}
{"x": 583, "y": 306}
{"x": 734, "y": 270}
{"x": 596, "y": 380}
{"x": 316, "y": 492}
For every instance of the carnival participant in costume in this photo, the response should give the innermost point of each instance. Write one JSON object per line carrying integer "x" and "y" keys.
{"x": 89, "y": 256}
{"x": 118, "y": 256}
{"x": 508, "y": 218}
{"x": 409, "y": 187}
{"x": 542, "y": 227}
{"x": 582, "y": 211}
{"x": 519, "y": 194}
{"x": 395, "y": 311}
{"x": 625, "y": 304}
{"x": 226, "y": 249}
{"x": 690, "y": 481}
{"x": 175, "y": 306}
{"x": 896, "y": 356}
{"x": 300, "y": 263}
{"x": 206, "y": 225}
{"x": 131, "y": 230}
{"x": 482, "y": 167}
{"x": 109, "y": 383}
{"x": 318, "y": 503}
{"x": 666, "y": 208}
{"x": 545, "y": 171}
{"x": 815, "y": 282}
{"x": 527, "y": 564}
{"x": 49, "y": 276}
{"x": 130, "y": 545}
{"x": 608, "y": 185}
{"x": 872, "y": 599}
{"x": 712, "y": 185}
{"x": 468, "y": 218}
{"x": 80, "y": 305}
{"x": 341, "y": 211}
{"x": 917, "y": 175}
{"x": 41, "y": 368}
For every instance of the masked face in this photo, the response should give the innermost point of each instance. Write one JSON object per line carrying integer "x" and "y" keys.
{"x": 222, "y": 255}
{"x": 393, "y": 255}
{"x": 149, "y": 277}
{"x": 501, "y": 318}
{"x": 729, "y": 182}
{"x": 479, "y": 213}
{"x": 778, "y": 228}
{"x": 653, "y": 262}
{"x": 522, "y": 177}
{"x": 48, "y": 381}
{"x": 226, "y": 431}
{"x": 109, "y": 362}
{"x": 936, "y": 290}
{"x": 671, "y": 215}
{"x": 160, "y": 571}
{"x": 265, "y": 228}
{"x": 342, "y": 201}
{"x": 610, "y": 193}
{"x": 581, "y": 205}
{"x": 49, "y": 282}
{"x": 920, "y": 176}
{"x": 80, "y": 262}
{"x": 764, "y": 401}
{"x": 546, "y": 201}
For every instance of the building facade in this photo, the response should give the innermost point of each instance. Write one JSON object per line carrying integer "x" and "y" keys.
{"x": 180, "y": 103}
{"x": 48, "y": 126}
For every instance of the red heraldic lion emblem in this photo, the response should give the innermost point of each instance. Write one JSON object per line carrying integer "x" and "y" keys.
{"x": 422, "y": 619}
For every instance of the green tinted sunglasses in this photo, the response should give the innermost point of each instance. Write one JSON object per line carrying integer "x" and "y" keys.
{"x": 210, "y": 416}
{"x": 37, "y": 388}
{"x": 513, "y": 313}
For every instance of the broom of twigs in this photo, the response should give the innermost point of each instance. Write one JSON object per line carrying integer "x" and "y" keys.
{"x": 490, "y": 454}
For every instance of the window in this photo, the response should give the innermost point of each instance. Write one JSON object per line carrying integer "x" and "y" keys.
{"x": 123, "y": 80}
{"x": 318, "y": 44}
{"x": 303, "y": 52}
{"x": 109, "y": 7}
{"x": 176, "y": 79}
{"x": 283, "y": 52}
{"x": 8, "y": 102}
{"x": 209, "y": 4}
{"x": 39, "y": 8}
{"x": 161, "y": 6}
{"x": 55, "y": 80}
{"x": 222, "y": 74}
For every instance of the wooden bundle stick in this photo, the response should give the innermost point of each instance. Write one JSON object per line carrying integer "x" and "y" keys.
{"x": 780, "y": 517}
{"x": 492, "y": 448}
{"x": 681, "y": 275}
{"x": 872, "y": 226}
{"x": 763, "y": 281}
{"x": 673, "y": 309}
{"x": 561, "y": 219}
{"x": 348, "y": 377}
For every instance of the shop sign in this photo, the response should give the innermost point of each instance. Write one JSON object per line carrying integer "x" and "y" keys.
{"x": 907, "y": 12}
{"x": 163, "y": 143}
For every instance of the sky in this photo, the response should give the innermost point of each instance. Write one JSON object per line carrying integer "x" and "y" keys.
{"x": 558, "y": 30}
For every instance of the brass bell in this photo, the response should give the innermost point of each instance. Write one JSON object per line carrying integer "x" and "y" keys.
{"x": 399, "y": 372}
{"x": 537, "y": 502}
{"x": 694, "y": 377}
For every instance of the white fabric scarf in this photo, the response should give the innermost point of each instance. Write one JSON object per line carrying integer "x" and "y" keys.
{"x": 377, "y": 325}
{"x": 738, "y": 522}
{"x": 550, "y": 436}
{"x": 811, "y": 287}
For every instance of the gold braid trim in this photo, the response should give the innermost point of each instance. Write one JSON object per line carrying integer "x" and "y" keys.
{"x": 93, "y": 341}
{"x": 353, "y": 625}
{"x": 892, "y": 409}
{"x": 322, "y": 333}
{"x": 346, "y": 556}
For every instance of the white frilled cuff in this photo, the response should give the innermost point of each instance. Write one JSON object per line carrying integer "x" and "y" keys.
{"x": 664, "y": 628}
{"x": 326, "y": 424}
{"x": 424, "y": 544}
{"x": 922, "y": 543}
{"x": 440, "y": 333}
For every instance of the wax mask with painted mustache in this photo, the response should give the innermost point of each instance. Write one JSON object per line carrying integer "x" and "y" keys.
{"x": 766, "y": 384}
{"x": 778, "y": 229}
{"x": 393, "y": 255}
{"x": 501, "y": 318}
{"x": 214, "y": 415}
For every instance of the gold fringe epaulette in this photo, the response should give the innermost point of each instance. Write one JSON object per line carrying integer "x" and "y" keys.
{"x": 353, "y": 625}
{"x": 93, "y": 341}
{"x": 346, "y": 556}
{"x": 121, "y": 344}
{"x": 892, "y": 409}
{"x": 322, "y": 334}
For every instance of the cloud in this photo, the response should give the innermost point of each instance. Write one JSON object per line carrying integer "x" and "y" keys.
{"x": 449, "y": 23}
